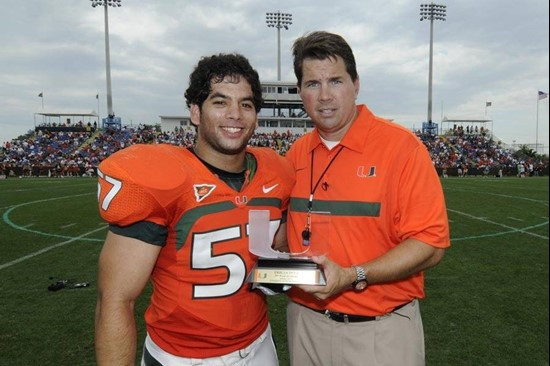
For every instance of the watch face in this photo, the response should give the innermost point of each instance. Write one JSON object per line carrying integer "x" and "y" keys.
{"x": 361, "y": 285}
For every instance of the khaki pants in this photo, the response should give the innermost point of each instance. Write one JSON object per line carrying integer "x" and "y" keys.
{"x": 395, "y": 339}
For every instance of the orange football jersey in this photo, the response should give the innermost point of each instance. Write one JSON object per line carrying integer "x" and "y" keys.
{"x": 201, "y": 304}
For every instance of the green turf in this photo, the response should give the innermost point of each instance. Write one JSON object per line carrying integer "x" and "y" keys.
{"x": 487, "y": 302}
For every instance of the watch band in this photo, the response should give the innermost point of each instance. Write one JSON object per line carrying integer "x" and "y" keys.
{"x": 360, "y": 282}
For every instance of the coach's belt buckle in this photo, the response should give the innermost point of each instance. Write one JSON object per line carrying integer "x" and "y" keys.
{"x": 329, "y": 314}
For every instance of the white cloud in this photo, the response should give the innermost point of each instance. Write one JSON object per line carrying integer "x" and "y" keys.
{"x": 486, "y": 51}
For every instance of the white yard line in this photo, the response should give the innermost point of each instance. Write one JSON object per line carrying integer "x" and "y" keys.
{"x": 47, "y": 249}
{"x": 515, "y": 219}
{"x": 524, "y": 231}
{"x": 498, "y": 195}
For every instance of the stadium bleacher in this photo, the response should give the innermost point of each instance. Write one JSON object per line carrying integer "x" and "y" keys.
{"x": 62, "y": 153}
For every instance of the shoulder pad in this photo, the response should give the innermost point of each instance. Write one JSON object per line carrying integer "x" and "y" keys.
{"x": 139, "y": 182}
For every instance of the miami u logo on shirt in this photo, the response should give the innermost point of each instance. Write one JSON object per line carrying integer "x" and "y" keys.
{"x": 361, "y": 172}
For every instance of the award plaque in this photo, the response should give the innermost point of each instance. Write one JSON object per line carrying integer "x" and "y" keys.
{"x": 290, "y": 271}
{"x": 286, "y": 268}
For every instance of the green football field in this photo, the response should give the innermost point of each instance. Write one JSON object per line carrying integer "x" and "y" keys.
{"x": 487, "y": 301}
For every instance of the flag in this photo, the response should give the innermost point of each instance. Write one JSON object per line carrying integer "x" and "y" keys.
{"x": 40, "y": 95}
{"x": 488, "y": 104}
{"x": 542, "y": 95}
{"x": 97, "y": 96}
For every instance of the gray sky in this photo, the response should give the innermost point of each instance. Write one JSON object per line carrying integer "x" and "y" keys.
{"x": 487, "y": 50}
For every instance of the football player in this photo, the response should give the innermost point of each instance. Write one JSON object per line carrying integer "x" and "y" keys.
{"x": 179, "y": 216}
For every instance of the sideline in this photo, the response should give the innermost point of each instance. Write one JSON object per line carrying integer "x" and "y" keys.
{"x": 47, "y": 249}
{"x": 512, "y": 229}
{"x": 497, "y": 194}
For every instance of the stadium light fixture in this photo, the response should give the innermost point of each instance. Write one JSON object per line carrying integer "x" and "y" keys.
{"x": 432, "y": 12}
{"x": 106, "y": 4}
{"x": 278, "y": 20}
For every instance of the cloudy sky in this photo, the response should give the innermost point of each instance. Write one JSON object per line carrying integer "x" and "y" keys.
{"x": 487, "y": 51}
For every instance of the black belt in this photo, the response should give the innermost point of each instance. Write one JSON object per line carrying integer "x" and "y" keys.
{"x": 349, "y": 318}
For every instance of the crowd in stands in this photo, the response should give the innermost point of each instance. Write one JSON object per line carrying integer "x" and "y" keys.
{"x": 279, "y": 142}
{"x": 475, "y": 149}
{"x": 69, "y": 153}
{"x": 66, "y": 125}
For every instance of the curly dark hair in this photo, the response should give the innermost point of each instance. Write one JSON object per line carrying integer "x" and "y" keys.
{"x": 321, "y": 45}
{"x": 214, "y": 69}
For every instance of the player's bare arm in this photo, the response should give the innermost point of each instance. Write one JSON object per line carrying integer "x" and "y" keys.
{"x": 125, "y": 265}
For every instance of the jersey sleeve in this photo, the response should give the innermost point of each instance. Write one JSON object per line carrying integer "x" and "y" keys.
{"x": 133, "y": 194}
{"x": 423, "y": 214}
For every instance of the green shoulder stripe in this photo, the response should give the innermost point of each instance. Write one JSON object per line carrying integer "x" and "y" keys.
{"x": 273, "y": 202}
{"x": 186, "y": 222}
{"x": 146, "y": 231}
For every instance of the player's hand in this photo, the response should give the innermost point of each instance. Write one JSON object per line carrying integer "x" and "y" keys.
{"x": 338, "y": 279}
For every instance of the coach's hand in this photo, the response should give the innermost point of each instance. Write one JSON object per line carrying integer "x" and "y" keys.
{"x": 338, "y": 279}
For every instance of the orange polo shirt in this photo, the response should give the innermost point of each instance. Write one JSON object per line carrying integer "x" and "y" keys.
{"x": 380, "y": 190}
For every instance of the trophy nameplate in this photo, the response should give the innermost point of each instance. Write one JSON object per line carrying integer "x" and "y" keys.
{"x": 287, "y": 271}
{"x": 280, "y": 267}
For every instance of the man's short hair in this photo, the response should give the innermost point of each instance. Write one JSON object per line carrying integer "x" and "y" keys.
{"x": 214, "y": 69}
{"x": 321, "y": 45}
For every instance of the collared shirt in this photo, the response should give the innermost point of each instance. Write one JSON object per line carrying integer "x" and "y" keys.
{"x": 380, "y": 190}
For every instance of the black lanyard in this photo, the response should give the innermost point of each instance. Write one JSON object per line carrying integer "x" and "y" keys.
{"x": 306, "y": 234}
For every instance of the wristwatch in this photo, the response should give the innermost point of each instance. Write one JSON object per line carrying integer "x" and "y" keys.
{"x": 360, "y": 282}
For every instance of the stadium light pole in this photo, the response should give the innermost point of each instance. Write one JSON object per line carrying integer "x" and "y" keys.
{"x": 106, "y": 4}
{"x": 278, "y": 20}
{"x": 431, "y": 12}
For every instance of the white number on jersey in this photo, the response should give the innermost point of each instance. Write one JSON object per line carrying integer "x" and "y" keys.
{"x": 202, "y": 258}
{"x": 116, "y": 187}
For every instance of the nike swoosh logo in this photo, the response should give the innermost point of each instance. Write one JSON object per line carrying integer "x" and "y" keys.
{"x": 269, "y": 189}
